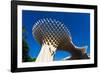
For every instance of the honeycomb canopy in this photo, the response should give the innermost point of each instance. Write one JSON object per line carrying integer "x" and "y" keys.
{"x": 48, "y": 30}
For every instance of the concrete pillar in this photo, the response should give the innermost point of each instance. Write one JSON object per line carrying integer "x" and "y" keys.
{"x": 46, "y": 53}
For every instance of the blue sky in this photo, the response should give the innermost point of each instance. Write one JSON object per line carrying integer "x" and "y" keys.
{"x": 77, "y": 23}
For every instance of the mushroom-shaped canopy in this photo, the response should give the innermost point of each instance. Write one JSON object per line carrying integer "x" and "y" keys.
{"x": 51, "y": 31}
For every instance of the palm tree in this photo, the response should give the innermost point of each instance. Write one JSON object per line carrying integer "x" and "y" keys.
{"x": 25, "y": 56}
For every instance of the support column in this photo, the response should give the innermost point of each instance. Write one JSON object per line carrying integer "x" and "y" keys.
{"x": 46, "y": 54}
